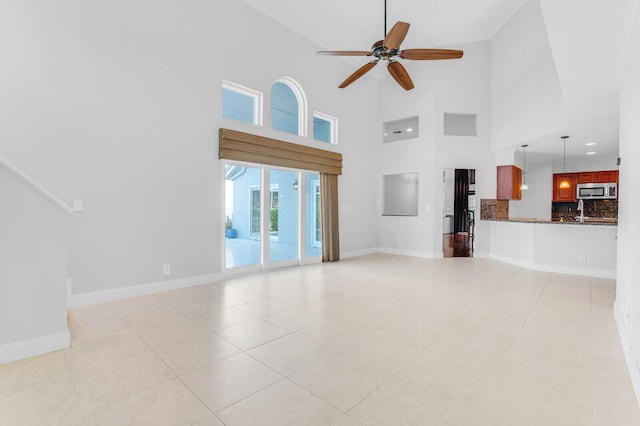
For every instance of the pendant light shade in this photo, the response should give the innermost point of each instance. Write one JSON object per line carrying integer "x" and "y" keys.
{"x": 564, "y": 183}
{"x": 524, "y": 185}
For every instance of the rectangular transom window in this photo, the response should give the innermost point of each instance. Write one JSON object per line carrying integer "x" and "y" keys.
{"x": 241, "y": 103}
{"x": 325, "y": 128}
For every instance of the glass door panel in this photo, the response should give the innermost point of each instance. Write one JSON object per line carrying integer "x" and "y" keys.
{"x": 313, "y": 233}
{"x": 283, "y": 215}
{"x": 242, "y": 215}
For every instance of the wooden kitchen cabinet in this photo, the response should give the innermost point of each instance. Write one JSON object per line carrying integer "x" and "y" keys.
{"x": 509, "y": 182}
{"x": 565, "y": 194}
{"x": 607, "y": 176}
{"x": 588, "y": 177}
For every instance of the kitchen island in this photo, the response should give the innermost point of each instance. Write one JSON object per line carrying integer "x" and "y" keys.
{"x": 587, "y": 248}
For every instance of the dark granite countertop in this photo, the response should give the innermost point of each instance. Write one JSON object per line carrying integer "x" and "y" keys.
{"x": 587, "y": 221}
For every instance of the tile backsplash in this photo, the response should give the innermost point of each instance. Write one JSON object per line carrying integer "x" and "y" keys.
{"x": 592, "y": 208}
{"x": 492, "y": 209}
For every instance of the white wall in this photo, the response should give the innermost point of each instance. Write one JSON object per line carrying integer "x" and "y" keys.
{"x": 33, "y": 271}
{"x": 585, "y": 164}
{"x": 577, "y": 29}
{"x": 536, "y": 201}
{"x": 556, "y": 247}
{"x": 118, "y": 104}
{"x": 627, "y": 305}
{"x": 526, "y": 98}
{"x": 408, "y": 234}
{"x": 458, "y": 86}
{"x": 466, "y": 89}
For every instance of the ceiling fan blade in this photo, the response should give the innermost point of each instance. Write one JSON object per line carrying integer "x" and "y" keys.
{"x": 400, "y": 74}
{"x": 430, "y": 54}
{"x": 359, "y": 73}
{"x": 344, "y": 52}
{"x": 396, "y": 35}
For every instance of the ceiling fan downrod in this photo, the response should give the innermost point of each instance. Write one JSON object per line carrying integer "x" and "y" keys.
{"x": 385, "y": 20}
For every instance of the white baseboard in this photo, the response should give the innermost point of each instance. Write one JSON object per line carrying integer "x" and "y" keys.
{"x": 511, "y": 261}
{"x": 413, "y": 253}
{"x": 357, "y": 253}
{"x": 481, "y": 255}
{"x": 22, "y": 349}
{"x": 588, "y": 272}
{"x": 83, "y": 299}
{"x": 633, "y": 364}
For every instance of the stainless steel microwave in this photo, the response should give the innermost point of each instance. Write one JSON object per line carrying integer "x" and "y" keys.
{"x": 597, "y": 191}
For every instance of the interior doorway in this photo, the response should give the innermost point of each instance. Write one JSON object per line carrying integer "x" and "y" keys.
{"x": 458, "y": 213}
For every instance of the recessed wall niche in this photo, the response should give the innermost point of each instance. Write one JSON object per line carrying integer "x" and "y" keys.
{"x": 460, "y": 124}
{"x": 400, "y": 194}
{"x": 397, "y": 130}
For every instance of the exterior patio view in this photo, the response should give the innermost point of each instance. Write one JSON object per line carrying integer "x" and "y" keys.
{"x": 252, "y": 215}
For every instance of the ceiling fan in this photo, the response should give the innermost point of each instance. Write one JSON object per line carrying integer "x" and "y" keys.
{"x": 388, "y": 50}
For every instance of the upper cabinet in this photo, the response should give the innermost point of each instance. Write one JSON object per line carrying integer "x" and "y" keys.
{"x": 605, "y": 176}
{"x": 588, "y": 177}
{"x": 608, "y": 176}
{"x": 509, "y": 182}
{"x": 569, "y": 194}
{"x": 565, "y": 194}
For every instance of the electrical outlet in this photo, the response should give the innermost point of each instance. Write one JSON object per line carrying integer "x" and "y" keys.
{"x": 166, "y": 269}
{"x": 78, "y": 205}
{"x": 583, "y": 259}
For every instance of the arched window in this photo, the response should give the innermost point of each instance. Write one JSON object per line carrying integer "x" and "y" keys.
{"x": 288, "y": 107}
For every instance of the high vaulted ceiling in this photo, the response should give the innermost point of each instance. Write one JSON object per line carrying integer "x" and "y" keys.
{"x": 584, "y": 36}
{"x": 356, "y": 24}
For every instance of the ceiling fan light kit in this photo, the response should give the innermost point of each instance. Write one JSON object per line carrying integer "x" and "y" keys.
{"x": 388, "y": 50}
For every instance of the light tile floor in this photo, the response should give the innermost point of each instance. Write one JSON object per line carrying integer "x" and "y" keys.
{"x": 373, "y": 340}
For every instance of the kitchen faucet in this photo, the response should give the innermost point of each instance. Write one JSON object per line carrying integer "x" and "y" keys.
{"x": 581, "y": 208}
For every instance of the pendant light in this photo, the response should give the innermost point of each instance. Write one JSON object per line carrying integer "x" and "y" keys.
{"x": 524, "y": 185}
{"x": 564, "y": 183}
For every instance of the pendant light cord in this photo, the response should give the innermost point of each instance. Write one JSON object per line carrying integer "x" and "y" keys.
{"x": 564, "y": 156}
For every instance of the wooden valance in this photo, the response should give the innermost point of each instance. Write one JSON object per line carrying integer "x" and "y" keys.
{"x": 241, "y": 146}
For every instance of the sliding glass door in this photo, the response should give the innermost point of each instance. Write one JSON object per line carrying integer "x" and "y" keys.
{"x": 313, "y": 228}
{"x": 283, "y": 216}
{"x": 274, "y": 212}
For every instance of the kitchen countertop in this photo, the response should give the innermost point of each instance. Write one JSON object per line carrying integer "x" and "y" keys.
{"x": 587, "y": 221}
